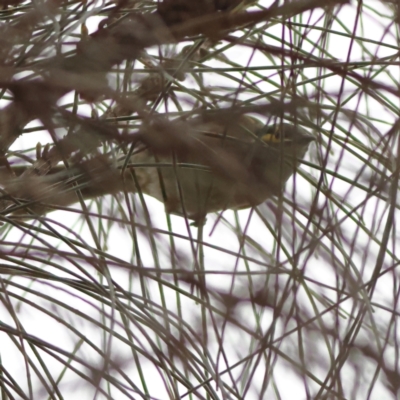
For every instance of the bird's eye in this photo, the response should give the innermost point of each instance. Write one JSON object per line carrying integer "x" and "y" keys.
{"x": 274, "y": 135}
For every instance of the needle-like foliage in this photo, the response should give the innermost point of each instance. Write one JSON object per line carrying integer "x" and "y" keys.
{"x": 105, "y": 295}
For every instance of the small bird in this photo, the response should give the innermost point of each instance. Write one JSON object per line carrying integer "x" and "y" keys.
{"x": 212, "y": 164}
{"x": 206, "y": 164}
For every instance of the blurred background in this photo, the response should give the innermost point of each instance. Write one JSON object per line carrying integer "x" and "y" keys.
{"x": 104, "y": 295}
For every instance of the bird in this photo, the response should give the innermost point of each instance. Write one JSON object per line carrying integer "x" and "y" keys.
{"x": 215, "y": 163}
{"x": 206, "y": 164}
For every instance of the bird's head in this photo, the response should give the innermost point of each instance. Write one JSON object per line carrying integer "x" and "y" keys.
{"x": 292, "y": 140}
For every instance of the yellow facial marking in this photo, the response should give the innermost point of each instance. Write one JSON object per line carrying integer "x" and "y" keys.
{"x": 272, "y": 138}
